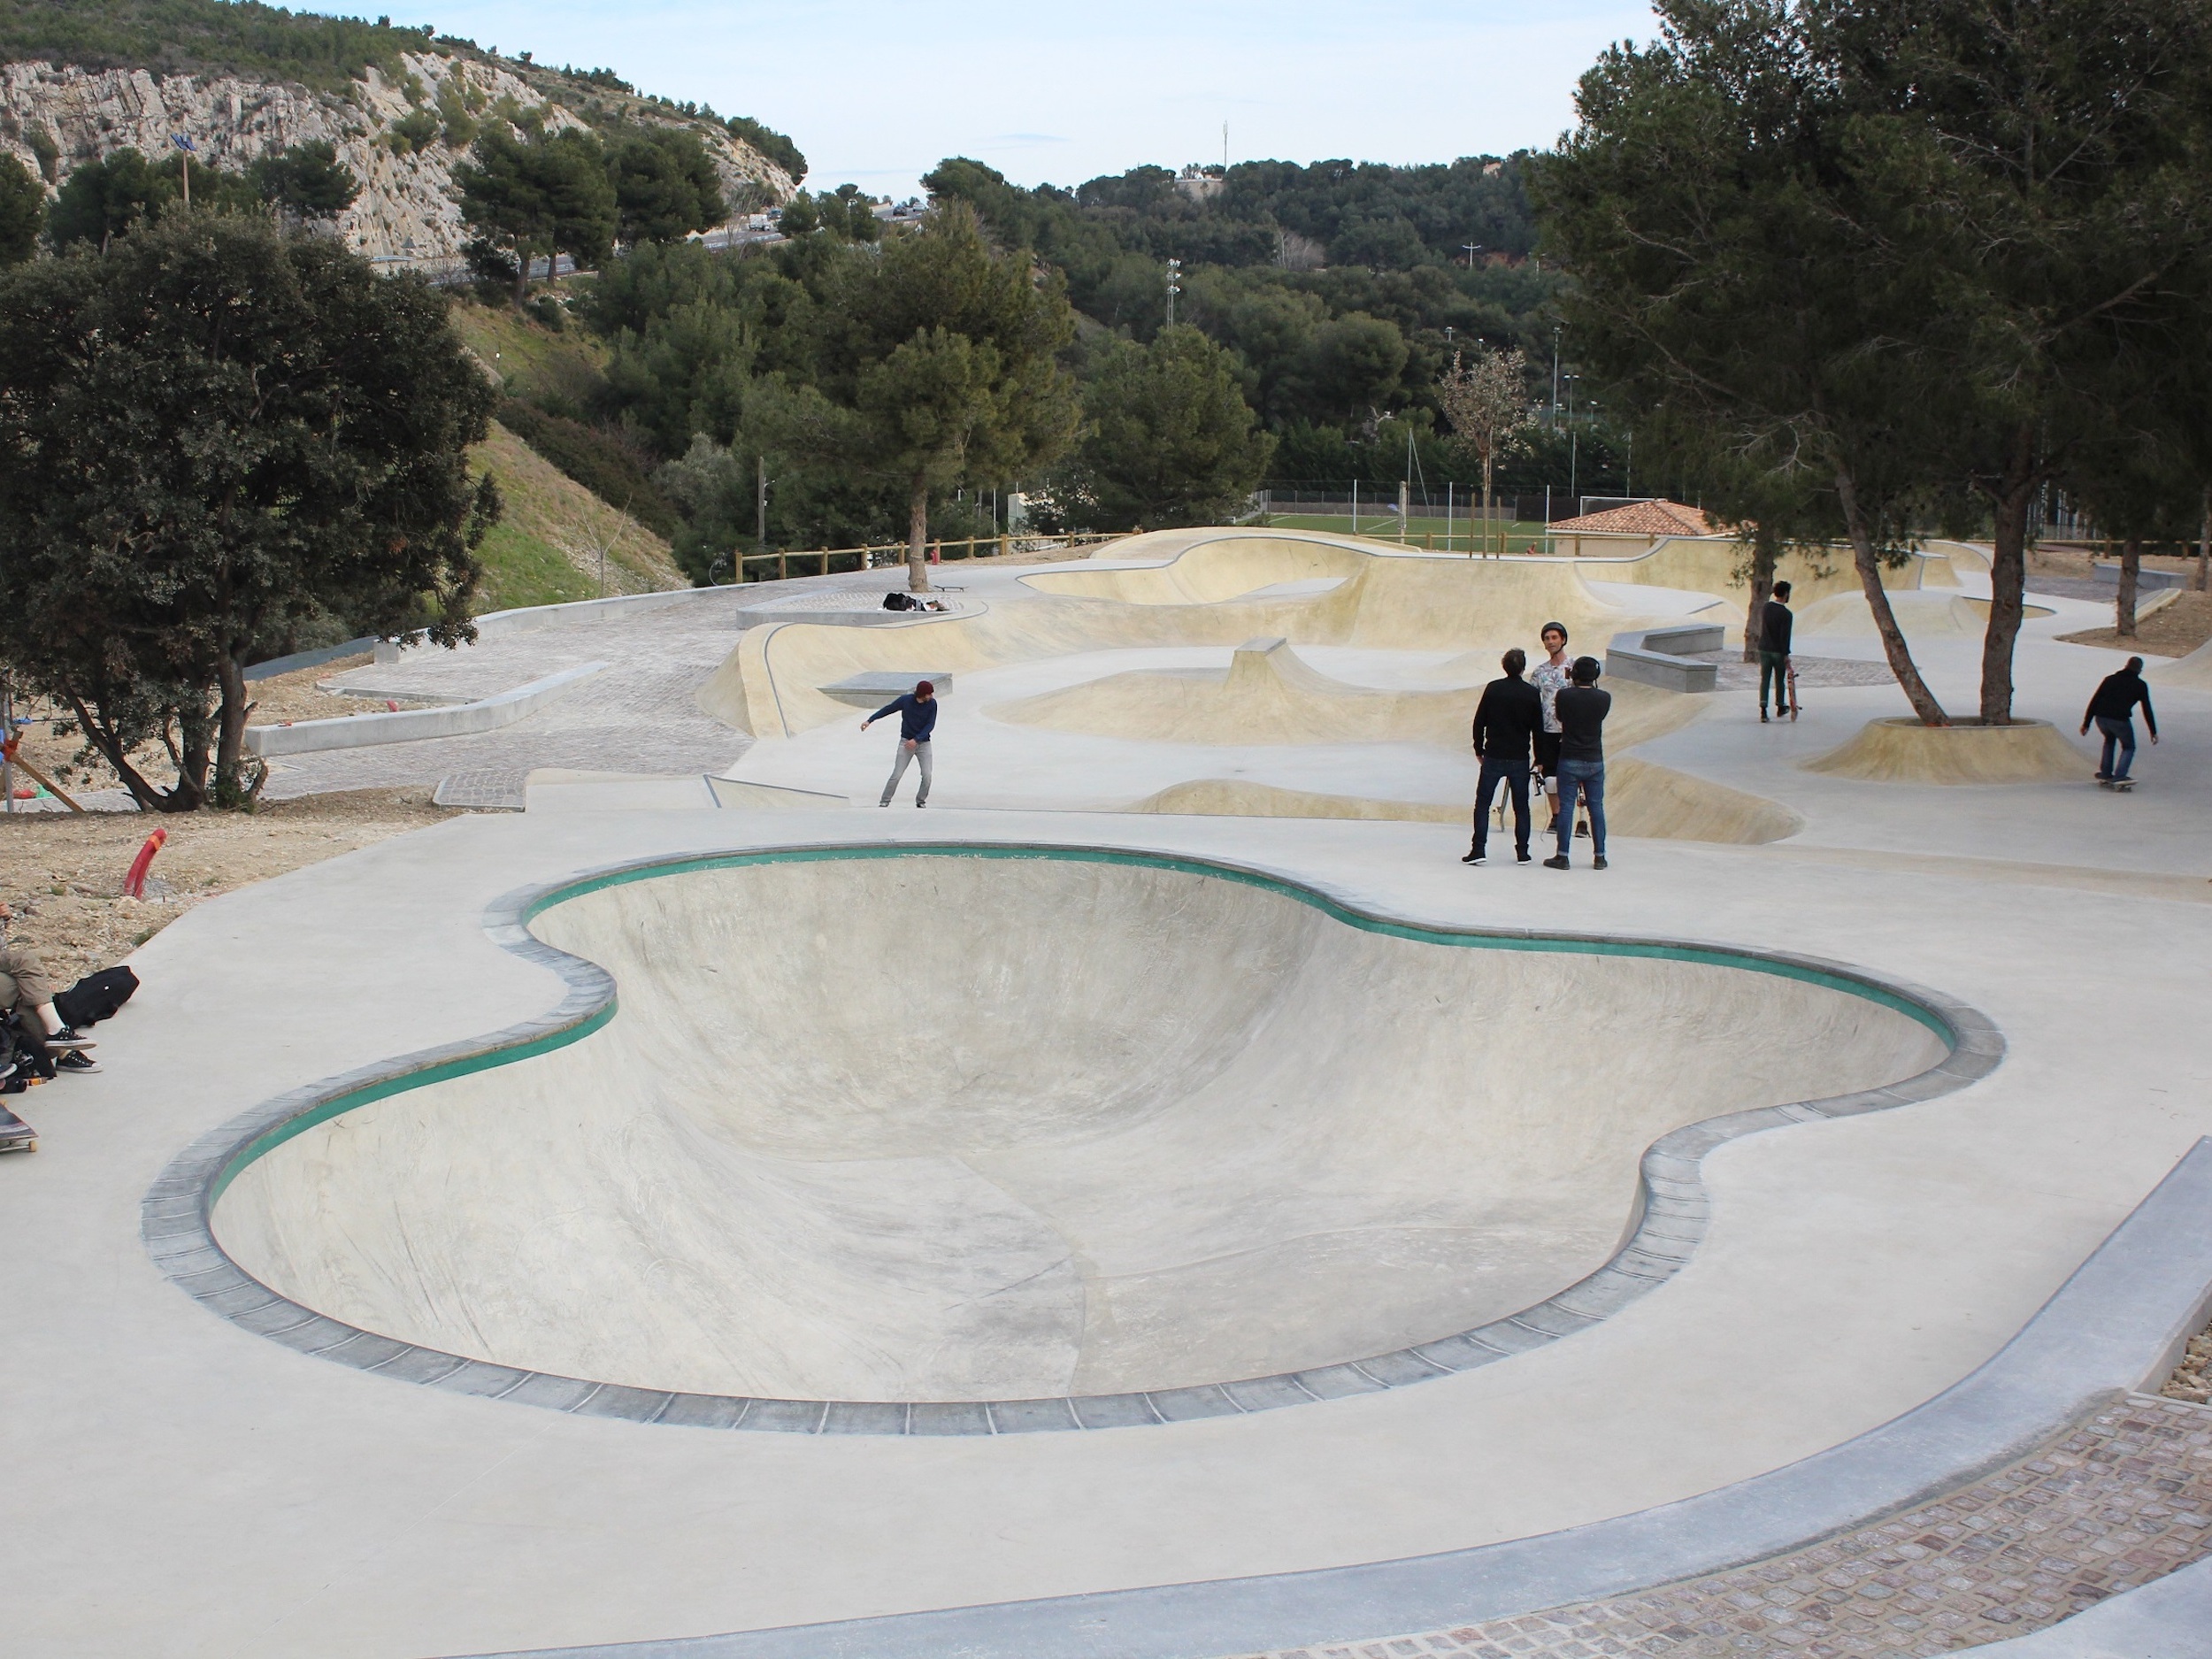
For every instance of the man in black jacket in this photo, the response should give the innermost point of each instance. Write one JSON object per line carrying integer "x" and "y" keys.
{"x": 1775, "y": 622}
{"x": 1507, "y": 719}
{"x": 1582, "y": 708}
{"x": 2113, "y": 709}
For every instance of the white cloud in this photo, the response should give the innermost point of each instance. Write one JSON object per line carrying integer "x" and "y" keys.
{"x": 878, "y": 93}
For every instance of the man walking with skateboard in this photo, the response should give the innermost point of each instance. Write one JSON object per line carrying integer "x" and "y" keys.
{"x": 1508, "y": 716}
{"x": 918, "y": 718}
{"x": 1552, "y": 676}
{"x": 1775, "y": 622}
{"x": 2113, "y": 709}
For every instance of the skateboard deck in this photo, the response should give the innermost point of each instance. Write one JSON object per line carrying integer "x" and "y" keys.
{"x": 15, "y": 1134}
{"x": 2118, "y": 786}
{"x": 1793, "y": 690}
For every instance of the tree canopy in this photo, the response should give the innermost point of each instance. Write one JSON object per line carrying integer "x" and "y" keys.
{"x": 22, "y": 211}
{"x": 1894, "y": 253}
{"x": 1171, "y": 440}
{"x": 210, "y": 435}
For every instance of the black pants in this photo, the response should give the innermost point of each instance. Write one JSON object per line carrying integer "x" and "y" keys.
{"x": 1514, "y": 772}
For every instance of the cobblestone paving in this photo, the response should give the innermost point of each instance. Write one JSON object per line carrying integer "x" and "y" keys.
{"x": 2122, "y": 1498}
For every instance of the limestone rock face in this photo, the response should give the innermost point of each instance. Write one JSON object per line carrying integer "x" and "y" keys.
{"x": 409, "y": 210}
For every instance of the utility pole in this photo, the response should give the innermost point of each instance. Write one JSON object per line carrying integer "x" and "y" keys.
{"x": 1555, "y": 377}
{"x": 1224, "y": 149}
{"x": 1405, "y": 506}
{"x": 184, "y": 166}
{"x": 760, "y": 500}
{"x": 1174, "y": 286}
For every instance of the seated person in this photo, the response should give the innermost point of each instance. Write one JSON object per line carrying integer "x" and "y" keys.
{"x": 26, "y": 992}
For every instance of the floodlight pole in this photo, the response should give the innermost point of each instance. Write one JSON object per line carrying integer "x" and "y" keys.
{"x": 1555, "y": 377}
{"x": 1174, "y": 286}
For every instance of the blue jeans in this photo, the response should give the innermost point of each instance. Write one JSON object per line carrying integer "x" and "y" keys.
{"x": 2118, "y": 734}
{"x": 1514, "y": 775}
{"x": 1589, "y": 778}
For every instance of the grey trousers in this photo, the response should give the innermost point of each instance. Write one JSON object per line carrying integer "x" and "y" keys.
{"x": 920, "y": 751}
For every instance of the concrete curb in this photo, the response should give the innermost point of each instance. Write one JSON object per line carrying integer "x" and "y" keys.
{"x": 1662, "y": 656}
{"x": 407, "y": 725}
{"x": 2119, "y": 1319}
{"x": 1668, "y": 1220}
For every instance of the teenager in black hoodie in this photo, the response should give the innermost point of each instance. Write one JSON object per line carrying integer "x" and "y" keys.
{"x": 1507, "y": 719}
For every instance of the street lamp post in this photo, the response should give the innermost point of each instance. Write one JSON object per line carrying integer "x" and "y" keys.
{"x": 1174, "y": 286}
{"x": 1471, "y": 249}
{"x": 1555, "y": 377}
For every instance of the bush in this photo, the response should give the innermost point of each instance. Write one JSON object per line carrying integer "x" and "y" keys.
{"x": 602, "y": 461}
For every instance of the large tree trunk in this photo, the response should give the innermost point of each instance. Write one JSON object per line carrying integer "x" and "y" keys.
{"x": 1766, "y": 551}
{"x": 522, "y": 272}
{"x": 2204, "y": 541}
{"x": 230, "y": 733}
{"x": 2008, "y": 579}
{"x": 918, "y": 537}
{"x": 1894, "y": 646}
{"x": 2131, "y": 578}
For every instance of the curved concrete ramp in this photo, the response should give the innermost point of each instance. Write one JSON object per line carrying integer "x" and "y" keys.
{"x": 1413, "y": 601}
{"x": 1922, "y": 616}
{"x": 1270, "y": 695}
{"x": 1905, "y": 752}
{"x": 1641, "y": 800}
{"x": 2193, "y": 670}
{"x": 941, "y": 1126}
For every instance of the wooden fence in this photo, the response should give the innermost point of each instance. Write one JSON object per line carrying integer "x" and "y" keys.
{"x": 754, "y": 567}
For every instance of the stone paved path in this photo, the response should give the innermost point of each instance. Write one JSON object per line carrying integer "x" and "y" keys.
{"x": 636, "y": 716}
{"x": 2124, "y": 1498}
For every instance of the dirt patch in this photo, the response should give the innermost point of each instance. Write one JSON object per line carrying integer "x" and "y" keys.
{"x": 63, "y": 873}
{"x": 279, "y": 699}
{"x": 2192, "y": 1379}
{"x": 2173, "y": 630}
{"x": 2079, "y": 563}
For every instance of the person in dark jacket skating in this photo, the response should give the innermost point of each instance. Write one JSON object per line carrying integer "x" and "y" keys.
{"x": 918, "y": 718}
{"x": 1506, "y": 721}
{"x": 1776, "y": 621}
{"x": 2113, "y": 709}
{"x": 1582, "y": 709}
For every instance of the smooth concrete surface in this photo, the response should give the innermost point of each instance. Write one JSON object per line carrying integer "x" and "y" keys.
{"x": 407, "y": 725}
{"x": 1129, "y": 1129}
{"x": 1905, "y": 751}
{"x": 1658, "y": 656}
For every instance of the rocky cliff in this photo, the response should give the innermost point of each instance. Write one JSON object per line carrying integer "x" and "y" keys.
{"x": 409, "y": 212}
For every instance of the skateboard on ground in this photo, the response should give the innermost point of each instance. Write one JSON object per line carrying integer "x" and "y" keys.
{"x": 2118, "y": 786}
{"x": 15, "y": 1134}
{"x": 1793, "y": 690}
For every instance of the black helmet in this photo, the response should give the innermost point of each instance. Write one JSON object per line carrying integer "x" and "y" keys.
{"x": 1586, "y": 671}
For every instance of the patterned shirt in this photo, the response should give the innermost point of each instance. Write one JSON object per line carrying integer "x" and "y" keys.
{"x": 1549, "y": 678}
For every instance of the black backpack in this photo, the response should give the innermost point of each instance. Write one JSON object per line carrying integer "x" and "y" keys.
{"x": 897, "y": 602}
{"x": 95, "y": 997}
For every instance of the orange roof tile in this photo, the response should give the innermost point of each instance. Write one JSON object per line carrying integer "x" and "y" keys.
{"x": 1643, "y": 517}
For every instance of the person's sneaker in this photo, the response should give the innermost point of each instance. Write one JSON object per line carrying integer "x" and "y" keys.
{"x": 1598, "y": 862}
{"x": 77, "y": 1061}
{"x": 1473, "y": 859}
{"x": 66, "y": 1038}
{"x": 1762, "y": 716}
{"x": 1524, "y": 857}
{"x": 1582, "y": 832}
{"x": 1557, "y": 860}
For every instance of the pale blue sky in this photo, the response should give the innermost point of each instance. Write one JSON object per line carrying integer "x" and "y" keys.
{"x": 876, "y": 92}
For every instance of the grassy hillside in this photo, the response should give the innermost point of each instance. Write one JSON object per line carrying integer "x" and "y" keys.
{"x": 545, "y": 550}
{"x": 200, "y": 37}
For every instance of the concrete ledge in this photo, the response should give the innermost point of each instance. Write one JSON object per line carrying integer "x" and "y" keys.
{"x": 407, "y": 725}
{"x": 1665, "y": 1225}
{"x": 873, "y": 690}
{"x": 1662, "y": 656}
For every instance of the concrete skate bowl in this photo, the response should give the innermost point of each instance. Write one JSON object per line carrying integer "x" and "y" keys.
{"x": 975, "y": 1139}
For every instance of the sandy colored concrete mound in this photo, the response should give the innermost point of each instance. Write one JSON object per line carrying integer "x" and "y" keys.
{"x": 1270, "y": 695}
{"x": 1640, "y": 800}
{"x": 858, "y": 1132}
{"x": 1922, "y": 616}
{"x": 1904, "y": 751}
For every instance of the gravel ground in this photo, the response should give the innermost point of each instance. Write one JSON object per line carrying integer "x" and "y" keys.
{"x": 63, "y": 873}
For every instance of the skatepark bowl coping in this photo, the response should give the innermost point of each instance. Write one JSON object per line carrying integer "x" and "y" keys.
{"x": 974, "y": 1138}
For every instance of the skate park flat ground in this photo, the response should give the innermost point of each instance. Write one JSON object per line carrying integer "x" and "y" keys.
{"x": 180, "y": 1485}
